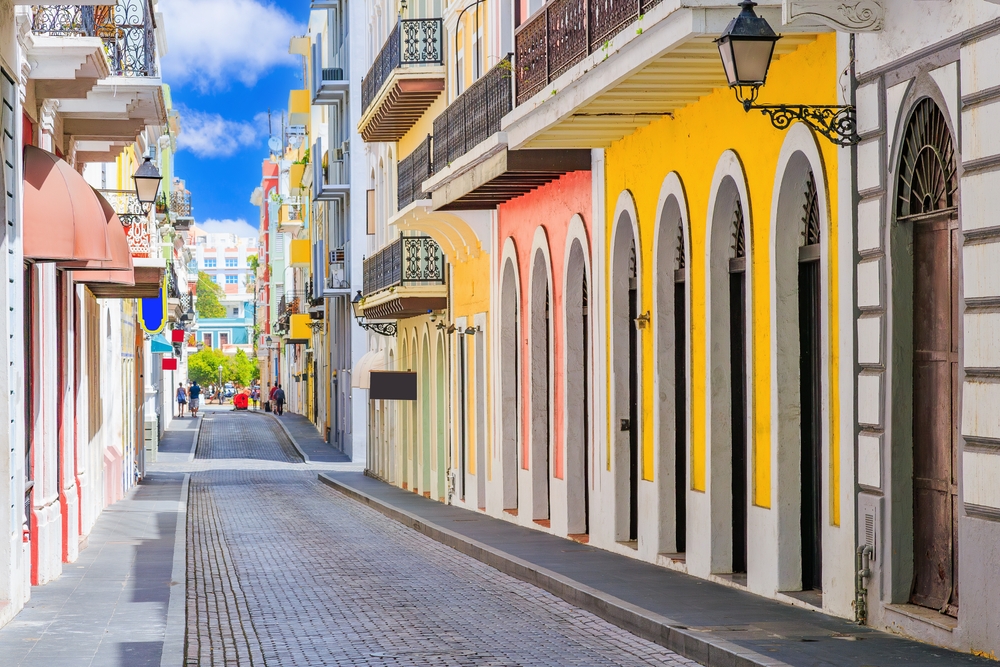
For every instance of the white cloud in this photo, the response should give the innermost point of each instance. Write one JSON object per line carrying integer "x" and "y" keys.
{"x": 211, "y": 135}
{"x": 239, "y": 227}
{"x": 212, "y": 42}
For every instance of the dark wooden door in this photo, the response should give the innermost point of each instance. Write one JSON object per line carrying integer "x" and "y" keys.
{"x": 935, "y": 401}
{"x": 585, "y": 312}
{"x": 680, "y": 418}
{"x": 462, "y": 421}
{"x": 633, "y": 416}
{"x": 738, "y": 366}
{"x": 810, "y": 416}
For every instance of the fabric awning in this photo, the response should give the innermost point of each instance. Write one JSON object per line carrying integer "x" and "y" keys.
{"x": 63, "y": 218}
{"x": 158, "y": 345}
{"x": 121, "y": 254}
{"x": 373, "y": 360}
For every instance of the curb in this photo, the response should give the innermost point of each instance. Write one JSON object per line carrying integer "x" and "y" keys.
{"x": 700, "y": 647}
{"x": 172, "y": 653}
{"x": 291, "y": 438}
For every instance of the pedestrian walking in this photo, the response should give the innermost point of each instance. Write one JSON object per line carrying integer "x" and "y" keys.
{"x": 182, "y": 399}
{"x": 194, "y": 397}
{"x": 254, "y": 395}
{"x": 279, "y": 399}
{"x": 270, "y": 396}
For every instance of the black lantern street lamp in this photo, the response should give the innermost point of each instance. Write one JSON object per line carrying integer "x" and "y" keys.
{"x": 746, "y": 47}
{"x": 147, "y": 183}
{"x": 381, "y": 328}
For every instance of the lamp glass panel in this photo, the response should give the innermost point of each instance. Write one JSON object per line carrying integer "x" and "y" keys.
{"x": 751, "y": 58}
{"x": 146, "y": 188}
{"x": 358, "y": 311}
{"x": 726, "y": 51}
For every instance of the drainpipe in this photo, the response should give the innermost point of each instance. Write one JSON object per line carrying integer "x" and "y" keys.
{"x": 863, "y": 569}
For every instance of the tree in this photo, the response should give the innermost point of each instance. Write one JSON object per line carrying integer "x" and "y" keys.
{"x": 203, "y": 366}
{"x": 208, "y": 301}
{"x": 243, "y": 368}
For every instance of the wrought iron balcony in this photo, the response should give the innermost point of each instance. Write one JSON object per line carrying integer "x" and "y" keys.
{"x": 412, "y": 171}
{"x": 401, "y": 70}
{"x": 126, "y": 30}
{"x": 564, "y": 33}
{"x": 180, "y": 203}
{"x": 407, "y": 261}
{"x": 139, "y": 228}
{"x": 474, "y": 115}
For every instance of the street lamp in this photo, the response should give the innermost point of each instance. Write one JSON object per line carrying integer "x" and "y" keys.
{"x": 147, "y": 183}
{"x": 381, "y": 328}
{"x": 746, "y": 47}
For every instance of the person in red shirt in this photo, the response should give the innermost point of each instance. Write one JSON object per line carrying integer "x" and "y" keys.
{"x": 270, "y": 394}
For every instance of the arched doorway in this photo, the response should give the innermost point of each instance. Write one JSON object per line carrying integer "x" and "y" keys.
{"x": 625, "y": 379}
{"x": 577, "y": 394}
{"x": 425, "y": 418}
{"x": 441, "y": 384}
{"x": 404, "y": 415}
{"x": 510, "y": 373}
{"x": 799, "y": 319}
{"x": 671, "y": 368}
{"x": 540, "y": 346}
{"x": 927, "y": 229}
{"x": 728, "y": 377}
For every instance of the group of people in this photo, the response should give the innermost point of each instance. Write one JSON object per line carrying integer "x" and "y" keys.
{"x": 190, "y": 397}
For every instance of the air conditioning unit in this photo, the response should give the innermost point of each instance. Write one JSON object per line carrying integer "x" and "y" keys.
{"x": 337, "y": 255}
{"x": 333, "y": 74}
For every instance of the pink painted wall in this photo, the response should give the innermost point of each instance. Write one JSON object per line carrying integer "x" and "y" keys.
{"x": 551, "y": 207}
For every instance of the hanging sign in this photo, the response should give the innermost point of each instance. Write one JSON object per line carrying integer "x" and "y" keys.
{"x": 177, "y": 336}
{"x": 169, "y": 363}
{"x": 153, "y": 311}
{"x": 392, "y": 386}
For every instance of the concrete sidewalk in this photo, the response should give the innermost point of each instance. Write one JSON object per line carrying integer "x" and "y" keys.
{"x": 121, "y": 604}
{"x": 307, "y": 439}
{"x": 707, "y": 622}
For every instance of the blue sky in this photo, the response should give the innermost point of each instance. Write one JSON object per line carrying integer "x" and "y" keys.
{"x": 227, "y": 61}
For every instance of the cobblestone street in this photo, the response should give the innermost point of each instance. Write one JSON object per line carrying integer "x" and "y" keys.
{"x": 282, "y": 570}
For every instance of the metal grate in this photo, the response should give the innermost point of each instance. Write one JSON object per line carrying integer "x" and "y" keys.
{"x": 927, "y": 171}
{"x": 474, "y": 115}
{"x": 565, "y": 32}
{"x": 810, "y": 213}
{"x": 411, "y": 173}
{"x": 681, "y": 259}
{"x": 739, "y": 233}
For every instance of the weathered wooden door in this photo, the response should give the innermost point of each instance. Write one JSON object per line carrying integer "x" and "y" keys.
{"x": 936, "y": 248}
{"x": 633, "y": 414}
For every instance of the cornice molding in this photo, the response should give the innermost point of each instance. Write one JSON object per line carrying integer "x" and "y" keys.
{"x": 842, "y": 15}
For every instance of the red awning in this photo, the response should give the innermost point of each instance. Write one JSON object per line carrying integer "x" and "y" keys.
{"x": 121, "y": 255}
{"x": 63, "y": 218}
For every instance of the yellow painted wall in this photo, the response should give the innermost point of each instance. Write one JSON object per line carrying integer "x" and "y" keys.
{"x": 691, "y": 143}
{"x": 421, "y": 128}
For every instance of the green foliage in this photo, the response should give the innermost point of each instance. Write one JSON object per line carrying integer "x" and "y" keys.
{"x": 203, "y": 366}
{"x": 304, "y": 159}
{"x": 209, "y": 295}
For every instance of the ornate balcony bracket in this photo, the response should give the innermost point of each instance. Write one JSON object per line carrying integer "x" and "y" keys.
{"x": 387, "y": 329}
{"x": 839, "y": 124}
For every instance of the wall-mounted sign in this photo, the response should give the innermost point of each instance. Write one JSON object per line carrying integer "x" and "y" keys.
{"x": 393, "y": 386}
{"x": 153, "y": 311}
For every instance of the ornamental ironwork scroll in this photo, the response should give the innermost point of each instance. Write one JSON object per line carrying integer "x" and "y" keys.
{"x": 836, "y": 123}
{"x": 411, "y": 42}
{"x": 928, "y": 178}
{"x": 409, "y": 260}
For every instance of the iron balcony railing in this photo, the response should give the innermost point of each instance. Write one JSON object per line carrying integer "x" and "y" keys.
{"x": 126, "y": 30}
{"x": 412, "y": 171}
{"x": 138, "y": 227}
{"x": 565, "y": 32}
{"x": 180, "y": 204}
{"x": 473, "y": 116}
{"x": 411, "y": 42}
{"x": 409, "y": 260}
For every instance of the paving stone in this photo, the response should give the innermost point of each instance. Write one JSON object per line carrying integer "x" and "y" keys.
{"x": 283, "y": 570}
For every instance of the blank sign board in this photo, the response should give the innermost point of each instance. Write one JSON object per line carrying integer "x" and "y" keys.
{"x": 393, "y": 386}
